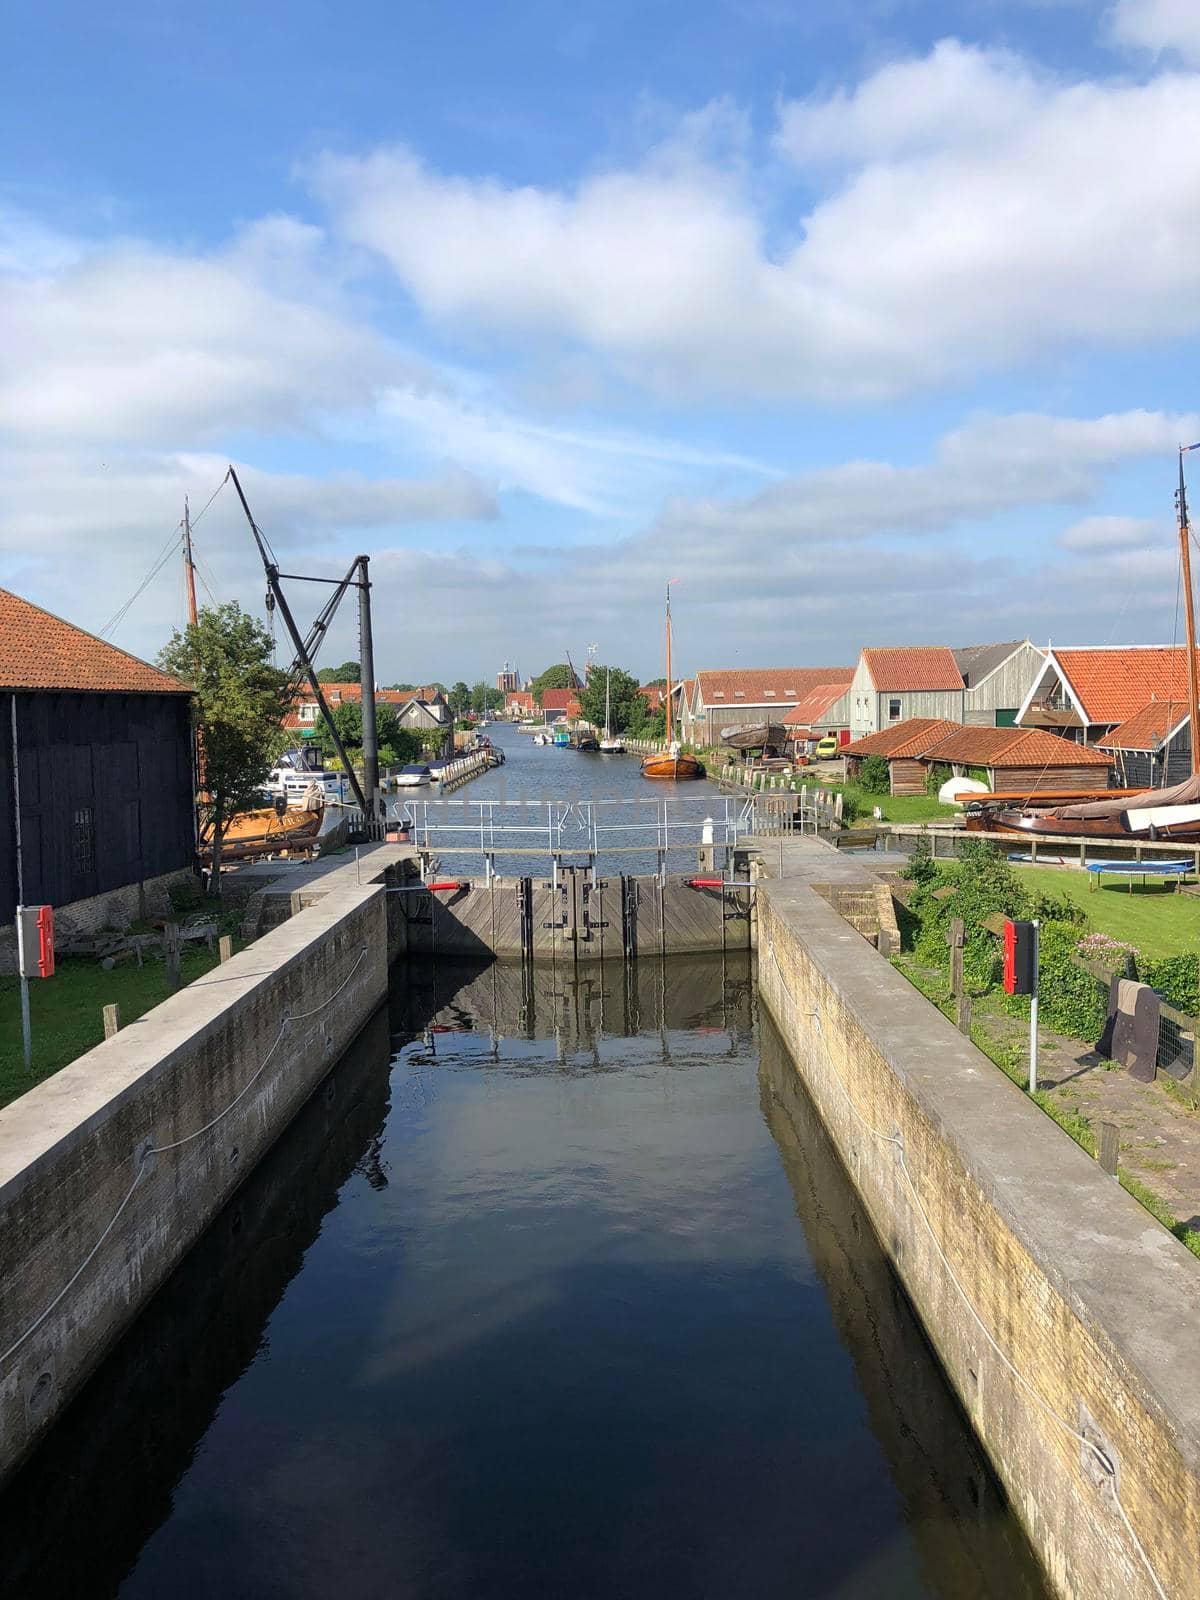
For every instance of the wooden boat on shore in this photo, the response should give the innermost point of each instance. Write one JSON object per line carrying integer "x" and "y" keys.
{"x": 1123, "y": 814}
{"x": 673, "y": 764}
{"x": 265, "y": 832}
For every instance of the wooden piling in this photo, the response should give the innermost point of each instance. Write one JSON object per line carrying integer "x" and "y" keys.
{"x": 112, "y": 1020}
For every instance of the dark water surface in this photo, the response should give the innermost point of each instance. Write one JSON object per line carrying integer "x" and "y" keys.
{"x": 555, "y": 1289}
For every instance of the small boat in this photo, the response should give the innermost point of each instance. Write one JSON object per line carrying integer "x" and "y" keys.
{"x": 543, "y": 738}
{"x": 413, "y": 776}
{"x": 562, "y": 739}
{"x": 587, "y": 743}
{"x": 755, "y": 736}
{"x": 264, "y": 832}
{"x": 672, "y": 763}
{"x": 609, "y": 744}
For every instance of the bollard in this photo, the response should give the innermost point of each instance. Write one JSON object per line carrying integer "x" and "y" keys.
{"x": 112, "y": 1020}
{"x": 225, "y": 947}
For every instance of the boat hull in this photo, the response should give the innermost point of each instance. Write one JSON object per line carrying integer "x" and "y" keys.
{"x": 1022, "y": 826}
{"x": 674, "y": 769}
{"x": 264, "y": 832}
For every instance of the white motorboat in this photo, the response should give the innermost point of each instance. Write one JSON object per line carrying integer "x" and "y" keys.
{"x": 413, "y": 776}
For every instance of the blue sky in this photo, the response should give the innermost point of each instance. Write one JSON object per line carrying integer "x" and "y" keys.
{"x": 870, "y": 324}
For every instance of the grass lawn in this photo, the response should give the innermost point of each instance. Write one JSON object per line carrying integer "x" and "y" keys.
{"x": 895, "y": 808}
{"x": 1154, "y": 918}
{"x": 66, "y": 1011}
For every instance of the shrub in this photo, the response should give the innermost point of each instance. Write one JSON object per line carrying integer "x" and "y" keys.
{"x": 1069, "y": 999}
{"x": 1177, "y": 979}
{"x": 875, "y": 776}
{"x": 939, "y": 772}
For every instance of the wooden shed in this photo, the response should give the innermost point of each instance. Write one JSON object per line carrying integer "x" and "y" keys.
{"x": 104, "y": 745}
{"x": 902, "y": 746}
{"x": 1019, "y": 760}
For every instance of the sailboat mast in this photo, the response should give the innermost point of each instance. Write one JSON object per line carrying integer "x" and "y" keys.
{"x": 1189, "y": 612}
{"x": 669, "y": 730}
{"x": 189, "y": 565}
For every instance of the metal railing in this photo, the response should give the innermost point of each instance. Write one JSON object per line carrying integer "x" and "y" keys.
{"x": 576, "y": 827}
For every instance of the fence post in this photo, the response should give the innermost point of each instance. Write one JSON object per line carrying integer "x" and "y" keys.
{"x": 112, "y": 1020}
{"x": 225, "y": 947}
{"x": 171, "y": 954}
{"x": 955, "y": 939}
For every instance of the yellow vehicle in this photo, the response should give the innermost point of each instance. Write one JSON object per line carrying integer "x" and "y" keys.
{"x": 826, "y": 747}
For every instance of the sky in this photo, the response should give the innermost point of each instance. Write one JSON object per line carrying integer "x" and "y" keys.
{"x": 866, "y": 325}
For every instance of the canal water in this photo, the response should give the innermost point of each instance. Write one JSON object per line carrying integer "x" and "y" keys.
{"x": 555, "y": 1288}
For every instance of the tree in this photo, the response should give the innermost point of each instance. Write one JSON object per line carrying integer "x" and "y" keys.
{"x": 627, "y": 708}
{"x": 484, "y": 699}
{"x": 558, "y": 676}
{"x": 397, "y": 744}
{"x": 239, "y": 706}
{"x": 875, "y": 776}
{"x": 348, "y": 672}
{"x": 459, "y": 698}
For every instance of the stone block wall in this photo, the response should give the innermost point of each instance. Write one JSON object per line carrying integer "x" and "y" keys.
{"x": 1003, "y": 1229}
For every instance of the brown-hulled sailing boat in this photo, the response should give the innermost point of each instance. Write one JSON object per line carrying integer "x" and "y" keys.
{"x": 1170, "y": 813}
{"x": 671, "y": 763}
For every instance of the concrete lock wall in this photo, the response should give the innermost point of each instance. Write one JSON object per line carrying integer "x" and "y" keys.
{"x": 1090, "y": 1302}
{"x": 94, "y": 1142}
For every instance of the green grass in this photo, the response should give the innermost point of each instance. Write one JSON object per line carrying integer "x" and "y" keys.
{"x": 895, "y": 808}
{"x": 66, "y": 1011}
{"x": 1154, "y": 918}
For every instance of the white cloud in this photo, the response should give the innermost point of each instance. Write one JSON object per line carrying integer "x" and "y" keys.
{"x": 988, "y": 466}
{"x": 1158, "y": 26}
{"x": 979, "y": 214}
{"x": 1110, "y": 534}
{"x": 148, "y": 347}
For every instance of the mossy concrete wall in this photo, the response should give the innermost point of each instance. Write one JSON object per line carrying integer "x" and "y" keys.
{"x": 1088, "y": 1299}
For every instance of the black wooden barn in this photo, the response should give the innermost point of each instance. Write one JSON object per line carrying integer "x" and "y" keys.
{"x": 1153, "y": 748}
{"x": 105, "y": 764}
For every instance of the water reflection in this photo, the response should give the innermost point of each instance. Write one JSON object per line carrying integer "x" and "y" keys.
{"x": 520, "y": 1306}
{"x": 969, "y": 1541}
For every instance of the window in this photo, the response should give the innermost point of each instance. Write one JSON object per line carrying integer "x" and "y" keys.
{"x": 894, "y": 710}
{"x": 306, "y": 713}
{"x": 83, "y": 840}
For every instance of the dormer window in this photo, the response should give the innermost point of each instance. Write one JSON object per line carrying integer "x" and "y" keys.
{"x": 739, "y": 694}
{"x": 768, "y": 694}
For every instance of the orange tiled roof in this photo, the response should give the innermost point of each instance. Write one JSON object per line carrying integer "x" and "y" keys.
{"x": 814, "y": 705}
{"x": 40, "y": 651}
{"x": 1146, "y": 728}
{"x": 911, "y": 738}
{"x": 563, "y": 700}
{"x": 766, "y": 686}
{"x": 1111, "y": 685}
{"x": 913, "y": 667}
{"x": 652, "y": 693}
{"x": 1014, "y": 747}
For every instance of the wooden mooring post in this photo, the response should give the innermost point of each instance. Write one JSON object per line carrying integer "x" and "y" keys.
{"x": 955, "y": 938}
{"x": 225, "y": 948}
{"x": 112, "y": 1020}
{"x": 171, "y": 954}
